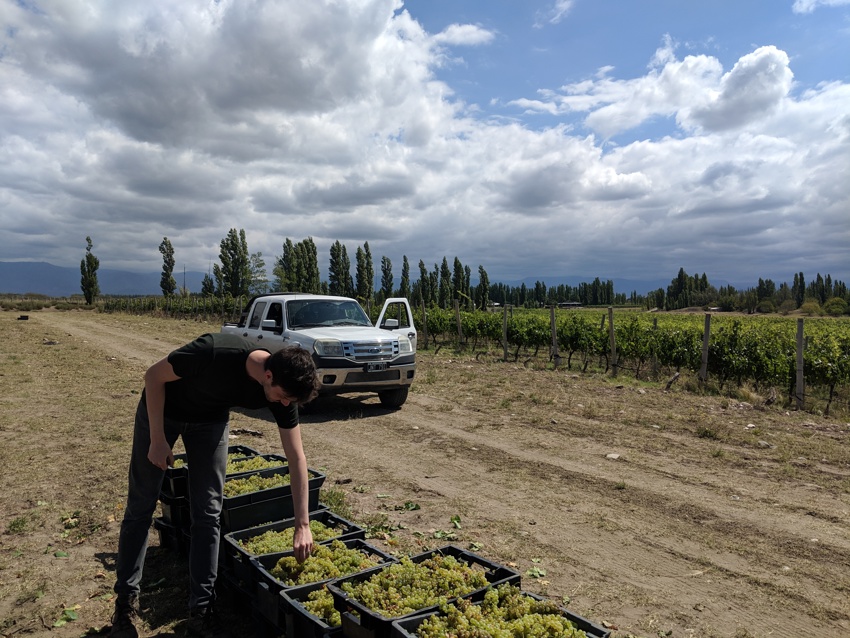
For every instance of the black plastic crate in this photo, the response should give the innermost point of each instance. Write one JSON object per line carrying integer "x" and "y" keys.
{"x": 315, "y": 480}
{"x": 406, "y": 627}
{"x": 358, "y": 621}
{"x": 175, "y": 482}
{"x": 299, "y": 622}
{"x": 238, "y": 560}
{"x": 172, "y": 538}
{"x": 234, "y": 519}
{"x": 269, "y": 588}
{"x": 269, "y": 457}
{"x": 175, "y": 510}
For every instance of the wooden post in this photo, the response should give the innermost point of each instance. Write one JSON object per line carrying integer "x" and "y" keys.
{"x": 424, "y": 323}
{"x": 457, "y": 321}
{"x": 654, "y": 355}
{"x": 505, "y": 333}
{"x": 703, "y": 369}
{"x": 556, "y": 357}
{"x": 800, "y": 388}
{"x": 612, "y": 340}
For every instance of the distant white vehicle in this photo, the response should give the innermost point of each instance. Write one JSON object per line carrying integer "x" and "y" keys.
{"x": 351, "y": 354}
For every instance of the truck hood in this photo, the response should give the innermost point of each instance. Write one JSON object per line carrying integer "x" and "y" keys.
{"x": 346, "y": 333}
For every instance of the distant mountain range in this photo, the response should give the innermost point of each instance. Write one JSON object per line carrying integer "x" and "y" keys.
{"x": 38, "y": 277}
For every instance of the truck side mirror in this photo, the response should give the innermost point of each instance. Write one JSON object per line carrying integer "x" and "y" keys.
{"x": 390, "y": 324}
{"x": 269, "y": 324}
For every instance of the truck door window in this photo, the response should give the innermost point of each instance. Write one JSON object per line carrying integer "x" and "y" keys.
{"x": 257, "y": 314}
{"x": 275, "y": 313}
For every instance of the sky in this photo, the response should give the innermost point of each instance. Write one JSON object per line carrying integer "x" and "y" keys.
{"x": 535, "y": 138}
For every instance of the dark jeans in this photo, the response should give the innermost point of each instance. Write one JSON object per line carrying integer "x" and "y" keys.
{"x": 206, "y": 455}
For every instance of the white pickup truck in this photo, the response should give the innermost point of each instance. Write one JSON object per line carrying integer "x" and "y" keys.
{"x": 351, "y": 354}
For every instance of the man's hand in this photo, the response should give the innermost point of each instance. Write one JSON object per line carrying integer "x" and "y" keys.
{"x": 302, "y": 542}
{"x": 160, "y": 454}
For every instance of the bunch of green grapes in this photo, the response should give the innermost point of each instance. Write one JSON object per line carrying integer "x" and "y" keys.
{"x": 254, "y": 483}
{"x": 320, "y": 603}
{"x": 505, "y": 613}
{"x": 274, "y": 541}
{"x": 251, "y": 464}
{"x": 325, "y": 562}
{"x": 405, "y": 587}
{"x": 178, "y": 463}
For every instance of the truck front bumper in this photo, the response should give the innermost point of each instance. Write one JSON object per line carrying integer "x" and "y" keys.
{"x": 358, "y": 379}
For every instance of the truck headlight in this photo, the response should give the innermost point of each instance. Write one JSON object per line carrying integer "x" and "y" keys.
{"x": 404, "y": 346}
{"x": 328, "y": 348}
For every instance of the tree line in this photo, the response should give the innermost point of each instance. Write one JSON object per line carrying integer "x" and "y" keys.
{"x": 241, "y": 273}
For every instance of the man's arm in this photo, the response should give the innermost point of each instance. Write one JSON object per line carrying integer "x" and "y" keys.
{"x": 156, "y": 377}
{"x": 294, "y": 451}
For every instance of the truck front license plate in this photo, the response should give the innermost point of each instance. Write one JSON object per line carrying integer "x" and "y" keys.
{"x": 376, "y": 366}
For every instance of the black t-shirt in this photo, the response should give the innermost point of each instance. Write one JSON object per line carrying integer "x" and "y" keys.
{"x": 213, "y": 379}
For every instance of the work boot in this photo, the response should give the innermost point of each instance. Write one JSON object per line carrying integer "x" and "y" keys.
{"x": 205, "y": 623}
{"x": 125, "y": 616}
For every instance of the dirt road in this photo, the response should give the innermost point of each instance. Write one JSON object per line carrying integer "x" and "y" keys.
{"x": 657, "y": 513}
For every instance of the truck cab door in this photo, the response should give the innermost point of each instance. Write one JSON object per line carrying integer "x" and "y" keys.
{"x": 396, "y": 316}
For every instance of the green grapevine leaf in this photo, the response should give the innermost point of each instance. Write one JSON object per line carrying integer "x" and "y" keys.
{"x": 60, "y": 554}
{"x": 456, "y": 521}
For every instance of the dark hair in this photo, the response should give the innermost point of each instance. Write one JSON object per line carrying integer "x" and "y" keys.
{"x": 293, "y": 370}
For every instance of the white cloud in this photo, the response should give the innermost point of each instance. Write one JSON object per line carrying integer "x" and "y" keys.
{"x": 554, "y": 14}
{"x": 807, "y": 6}
{"x": 464, "y": 35}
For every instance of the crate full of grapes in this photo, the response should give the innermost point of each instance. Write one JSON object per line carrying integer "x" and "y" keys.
{"x": 368, "y": 602}
{"x": 276, "y": 537}
{"x": 330, "y": 560}
{"x": 264, "y": 497}
{"x": 309, "y": 612}
{"x": 175, "y": 482}
{"x": 505, "y": 610}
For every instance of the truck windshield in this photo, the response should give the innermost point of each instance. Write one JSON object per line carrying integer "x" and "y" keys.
{"x": 305, "y": 313}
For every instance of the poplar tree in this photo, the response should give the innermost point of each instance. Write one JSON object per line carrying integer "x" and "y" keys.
{"x": 340, "y": 281}
{"x": 424, "y": 284}
{"x": 483, "y": 291}
{"x": 88, "y": 270}
{"x": 258, "y": 283}
{"x": 404, "y": 284}
{"x": 386, "y": 277}
{"x": 445, "y": 285}
{"x": 166, "y": 281}
{"x": 233, "y": 276}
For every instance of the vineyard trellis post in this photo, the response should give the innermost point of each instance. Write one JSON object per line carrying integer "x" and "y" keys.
{"x": 799, "y": 388}
{"x": 424, "y": 322}
{"x": 612, "y": 340}
{"x": 556, "y": 357}
{"x": 654, "y": 353}
{"x": 505, "y": 333}
{"x": 703, "y": 369}
{"x": 457, "y": 321}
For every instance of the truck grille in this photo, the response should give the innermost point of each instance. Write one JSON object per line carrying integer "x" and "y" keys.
{"x": 370, "y": 350}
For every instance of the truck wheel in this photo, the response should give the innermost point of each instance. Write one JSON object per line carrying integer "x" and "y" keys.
{"x": 393, "y": 398}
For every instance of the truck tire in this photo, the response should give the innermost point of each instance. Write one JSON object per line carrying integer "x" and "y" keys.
{"x": 393, "y": 398}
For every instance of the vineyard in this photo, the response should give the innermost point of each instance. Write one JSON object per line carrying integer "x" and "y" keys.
{"x": 744, "y": 349}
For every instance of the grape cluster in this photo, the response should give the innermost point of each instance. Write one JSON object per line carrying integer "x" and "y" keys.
{"x": 252, "y": 463}
{"x": 325, "y": 562}
{"x": 178, "y": 463}
{"x": 506, "y": 612}
{"x": 254, "y": 483}
{"x": 404, "y": 587}
{"x": 320, "y": 603}
{"x": 274, "y": 541}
